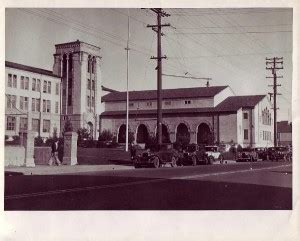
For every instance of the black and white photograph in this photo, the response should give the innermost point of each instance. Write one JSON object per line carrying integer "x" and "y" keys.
{"x": 148, "y": 109}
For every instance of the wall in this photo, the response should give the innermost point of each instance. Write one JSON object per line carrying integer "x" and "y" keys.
{"x": 175, "y": 104}
{"x": 14, "y": 155}
{"x": 222, "y": 95}
{"x": 260, "y": 127}
{"x": 228, "y": 128}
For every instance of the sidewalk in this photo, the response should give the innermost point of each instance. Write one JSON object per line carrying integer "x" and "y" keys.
{"x": 56, "y": 170}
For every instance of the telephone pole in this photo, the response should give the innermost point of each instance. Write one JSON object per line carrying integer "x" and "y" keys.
{"x": 274, "y": 64}
{"x": 157, "y": 28}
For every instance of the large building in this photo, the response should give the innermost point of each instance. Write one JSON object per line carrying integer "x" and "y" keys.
{"x": 203, "y": 115}
{"x": 43, "y": 100}
{"x": 284, "y": 133}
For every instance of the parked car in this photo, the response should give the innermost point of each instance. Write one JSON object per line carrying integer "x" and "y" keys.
{"x": 279, "y": 153}
{"x": 213, "y": 154}
{"x": 247, "y": 155}
{"x": 156, "y": 156}
{"x": 193, "y": 155}
{"x": 262, "y": 153}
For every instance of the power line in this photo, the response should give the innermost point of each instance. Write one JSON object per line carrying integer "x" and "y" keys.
{"x": 235, "y": 26}
{"x": 246, "y": 32}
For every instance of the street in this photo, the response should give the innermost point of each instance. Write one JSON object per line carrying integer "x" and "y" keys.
{"x": 236, "y": 186}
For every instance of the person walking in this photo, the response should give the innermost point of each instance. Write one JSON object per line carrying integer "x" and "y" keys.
{"x": 54, "y": 154}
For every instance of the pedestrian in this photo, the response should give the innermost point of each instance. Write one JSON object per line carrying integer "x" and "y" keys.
{"x": 54, "y": 154}
{"x": 132, "y": 151}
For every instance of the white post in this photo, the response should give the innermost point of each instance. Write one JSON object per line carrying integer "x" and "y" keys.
{"x": 127, "y": 94}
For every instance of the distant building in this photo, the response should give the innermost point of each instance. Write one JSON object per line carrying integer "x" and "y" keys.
{"x": 202, "y": 115}
{"x": 284, "y": 133}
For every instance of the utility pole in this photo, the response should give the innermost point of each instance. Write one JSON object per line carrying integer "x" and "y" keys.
{"x": 127, "y": 85}
{"x": 274, "y": 64}
{"x": 157, "y": 28}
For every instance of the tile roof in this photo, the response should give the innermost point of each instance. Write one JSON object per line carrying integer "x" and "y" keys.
{"x": 284, "y": 127}
{"x": 30, "y": 69}
{"x": 166, "y": 94}
{"x": 233, "y": 103}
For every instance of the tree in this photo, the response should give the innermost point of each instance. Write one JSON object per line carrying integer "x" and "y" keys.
{"x": 68, "y": 126}
{"x": 83, "y": 133}
{"x": 105, "y": 135}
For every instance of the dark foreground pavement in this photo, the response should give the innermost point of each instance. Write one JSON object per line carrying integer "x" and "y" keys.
{"x": 240, "y": 186}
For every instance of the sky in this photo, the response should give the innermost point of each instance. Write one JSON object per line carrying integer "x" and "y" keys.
{"x": 229, "y": 46}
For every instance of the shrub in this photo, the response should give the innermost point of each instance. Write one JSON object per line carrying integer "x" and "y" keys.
{"x": 239, "y": 148}
{"x": 68, "y": 126}
{"x": 105, "y": 135}
{"x": 38, "y": 141}
{"x": 83, "y": 133}
{"x": 6, "y": 137}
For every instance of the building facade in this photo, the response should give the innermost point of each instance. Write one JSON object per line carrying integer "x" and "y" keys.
{"x": 284, "y": 133}
{"x": 43, "y": 100}
{"x": 204, "y": 115}
{"x": 32, "y": 100}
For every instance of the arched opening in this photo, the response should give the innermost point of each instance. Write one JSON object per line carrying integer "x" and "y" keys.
{"x": 91, "y": 129}
{"x": 165, "y": 134}
{"x": 204, "y": 135}
{"x": 183, "y": 134}
{"x": 122, "y": 134}
{"x": 142, "y": 134}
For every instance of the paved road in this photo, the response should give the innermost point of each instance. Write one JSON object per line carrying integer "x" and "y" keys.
{"x": 240, "y": 186}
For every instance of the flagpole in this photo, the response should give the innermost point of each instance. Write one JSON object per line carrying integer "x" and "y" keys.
{"x": 127, "y": 87}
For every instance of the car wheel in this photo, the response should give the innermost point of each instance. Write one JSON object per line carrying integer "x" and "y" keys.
{"x": 156, "y": 163}
{"x": 194, "y": 161}
{"x": 174, "y": 162}
{"x": 211, "y": 160}
{"x": 221, "y": 158}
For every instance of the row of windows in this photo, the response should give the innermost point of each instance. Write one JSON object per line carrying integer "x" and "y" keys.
{"x": 35, "y": 85}
{"x": 267, "y": 135}
{"x": 89, "y": 84}
{"x": 266, "y": 117}
{"x": 35, "y": 104}
{"x": 186, "y": 102}
{"x": 89, "y": 104}
{"x": 11, "y": 124}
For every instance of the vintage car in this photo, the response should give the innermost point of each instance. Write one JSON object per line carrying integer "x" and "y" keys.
{"x": 279, "y": 153}
{"x": 213, "y": 154}
{"x": 261, "y": 153}
{"x": 156, "y": 156}
{"x": 247, "y": 155}
{"x": 193, "y": 155}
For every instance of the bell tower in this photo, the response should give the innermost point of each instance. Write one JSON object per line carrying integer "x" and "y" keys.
{"x": 78, "y": 64}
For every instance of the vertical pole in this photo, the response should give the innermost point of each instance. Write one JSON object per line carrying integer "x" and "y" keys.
{"x": 90, "y": 64}
{"x": 275, "y": 109}
{"x": 127, "y": 86}
{"x": 67, "y": 83}
{"x": 61, "y": 94}
{"x": 159, "y": 84}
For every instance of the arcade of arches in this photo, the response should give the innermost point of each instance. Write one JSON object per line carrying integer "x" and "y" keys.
{"x": 182, "y": 134}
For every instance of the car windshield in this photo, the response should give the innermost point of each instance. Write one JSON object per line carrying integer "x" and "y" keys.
{"x": 191, "y": 148}
{"x": 210, "y": 148}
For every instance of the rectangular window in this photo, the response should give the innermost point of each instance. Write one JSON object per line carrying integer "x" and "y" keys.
{"x": 149, "y": 103}
{"x": 187, "y": 102}
{"x": 56, "y": 107}
{"x": 23, "y": 103}
{"x": 70, "y": 100}
{"x": 45, "y": 87}
{"x": 57, "y": 89}
{"x": 22, "y": 82}
{"x": 48, "y": 106}
{"x": 93, "y": 99}
{"x": 245, "y": 116}
{"x": 9, "y": 80}
{"x": 88, "y": 101}
{"x": 34, "y": 84}
{"x": 70, "y": 83}
{"x": 11, "y": 123}
{"x": 93, "y": 84}
{"x": 46, "y": 125}
{"x": 89, "y": 84}
{"x": 26, "y": 83}
{"x": 23, "y": 124}
{"x": 37, "y": 105}
{"x": 33, "y": 104}
{"x": 49, "y": 87}
{"x": 131, "y": 104}
{"x": 15, "y": 81}
{"x": 44, "y": 105}
{"x": 92, "y": 67}
{"x": 245, "y": 134}
{"x": 88, "y": 66}
{"x": 35, "y": 125}
{"x": 11, "y": 101}
{"x": 38, "y": 85}
{"x": 26, "y": 103}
